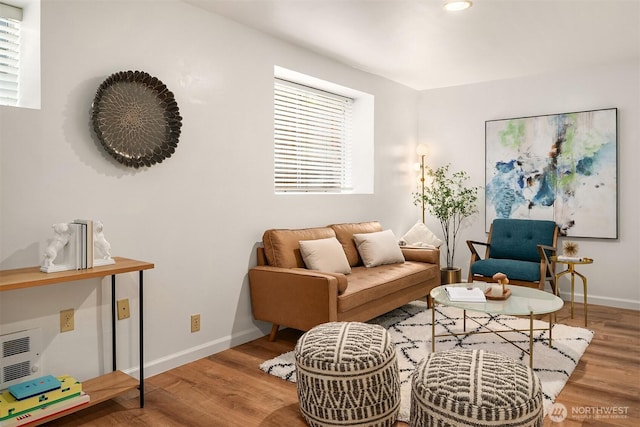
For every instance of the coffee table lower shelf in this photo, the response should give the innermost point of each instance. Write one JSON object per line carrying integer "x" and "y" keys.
{"x": 499, "y": 333}
{"x": 100, "y": 389}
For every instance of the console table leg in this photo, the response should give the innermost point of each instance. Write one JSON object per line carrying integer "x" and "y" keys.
{"x": 141, "y": 303}
{"x": 113, "y": 321}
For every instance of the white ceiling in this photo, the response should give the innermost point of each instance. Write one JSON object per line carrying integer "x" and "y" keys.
{"x": 419, "y": 44}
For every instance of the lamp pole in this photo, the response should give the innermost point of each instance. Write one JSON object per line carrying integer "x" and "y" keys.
{"x": 422, "y": 184}
{"x": 422, "y": 151}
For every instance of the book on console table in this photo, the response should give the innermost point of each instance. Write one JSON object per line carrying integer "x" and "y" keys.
{"x": 45, "y": 412}
{"x": 465, "y": 294}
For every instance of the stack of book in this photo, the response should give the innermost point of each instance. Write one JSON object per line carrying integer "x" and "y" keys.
{"x": 39, "y": 399}
{"x": 81, "y": 244}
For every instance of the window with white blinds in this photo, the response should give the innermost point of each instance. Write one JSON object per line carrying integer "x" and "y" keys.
{"x": 313, "y": 137}
{"x": 10, "y": 18}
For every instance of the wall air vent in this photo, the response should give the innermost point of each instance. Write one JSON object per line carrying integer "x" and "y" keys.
{"x": 20, "y": 356}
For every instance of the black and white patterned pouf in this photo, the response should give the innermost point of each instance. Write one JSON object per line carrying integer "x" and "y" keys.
{"x": 474, "y": 388}
{"x": 347, "y": 375}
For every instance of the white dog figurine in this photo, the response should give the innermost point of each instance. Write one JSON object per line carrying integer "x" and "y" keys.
{"x": 59, "y": 241}
{"x": 101, "y": 247}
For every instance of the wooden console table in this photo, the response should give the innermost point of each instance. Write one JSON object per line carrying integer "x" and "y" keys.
{"x": 106, "y": 386}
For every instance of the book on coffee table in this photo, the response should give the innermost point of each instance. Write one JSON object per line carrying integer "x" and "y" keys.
{"x": 464, "y": 294}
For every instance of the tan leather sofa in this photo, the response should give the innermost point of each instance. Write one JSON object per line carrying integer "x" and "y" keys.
{"x": 285, "y": 293}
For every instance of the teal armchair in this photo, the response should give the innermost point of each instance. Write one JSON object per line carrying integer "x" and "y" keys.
{"x": 519, "y": 248}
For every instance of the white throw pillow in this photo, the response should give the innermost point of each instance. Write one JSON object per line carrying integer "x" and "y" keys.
{"x": 324, "y": 255}
{"x": 420, "y": 235}
{"x": 378, "y": 248}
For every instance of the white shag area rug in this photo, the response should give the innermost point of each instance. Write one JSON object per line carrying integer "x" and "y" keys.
{"x": 410, "y": 329}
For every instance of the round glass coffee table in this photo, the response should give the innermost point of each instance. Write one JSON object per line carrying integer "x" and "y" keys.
{"x": 523, "y": 301}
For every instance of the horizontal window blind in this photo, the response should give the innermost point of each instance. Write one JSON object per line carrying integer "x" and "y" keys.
{"x": 10, "y": 18}
{"x": 312, "y": 139}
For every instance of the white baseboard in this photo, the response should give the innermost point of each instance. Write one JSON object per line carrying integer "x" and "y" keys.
{"x": 600, "y": 300}
{"x": 183, "y": 357}
{"x": 170, "y": 361}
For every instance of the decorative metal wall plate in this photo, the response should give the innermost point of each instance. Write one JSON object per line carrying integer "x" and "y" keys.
{"x": 136, "y": 118}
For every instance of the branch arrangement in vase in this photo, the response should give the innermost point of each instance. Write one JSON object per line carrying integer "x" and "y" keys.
{"x": 450, "y": 200}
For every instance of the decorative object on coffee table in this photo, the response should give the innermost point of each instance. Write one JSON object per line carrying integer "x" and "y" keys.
{"x": 347, "y": 375}
{"x": 136, "y": 118}
{"x": 474, "y": 388}
{"x": 499, "y": 291}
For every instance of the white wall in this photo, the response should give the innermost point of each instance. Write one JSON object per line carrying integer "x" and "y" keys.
{"x": 451, "y": 121}
{"x": 198, "y": 215}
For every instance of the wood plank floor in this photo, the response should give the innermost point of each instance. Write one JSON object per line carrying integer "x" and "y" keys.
{"x": 228, "y": 389}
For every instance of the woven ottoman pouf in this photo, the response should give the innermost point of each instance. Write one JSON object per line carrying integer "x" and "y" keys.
{"x": 474, "y": 388}
{"x": 347, "y": 375}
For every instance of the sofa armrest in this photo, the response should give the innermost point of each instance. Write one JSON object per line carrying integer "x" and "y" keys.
{"x": 294, "y": 297}
{"x": 430, "y": 256}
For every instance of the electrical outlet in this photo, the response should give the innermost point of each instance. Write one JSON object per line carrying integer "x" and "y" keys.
{"x": 123, "y": 309}
{"x": 195, "y": 322}
{"x": 66, "y": 320}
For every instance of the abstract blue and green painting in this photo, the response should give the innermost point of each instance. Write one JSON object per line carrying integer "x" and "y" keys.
{"x": 561, "y": 167}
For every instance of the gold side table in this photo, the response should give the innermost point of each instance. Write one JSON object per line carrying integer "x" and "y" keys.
{"x": 571, "y": 269}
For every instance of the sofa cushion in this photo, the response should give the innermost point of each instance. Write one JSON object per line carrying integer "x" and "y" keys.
{"x": 324, "y": 255}
{"x": 281, "y": 246}
{"x": 378, "y": 248}
{"x": 518, "y": 270}
{"x": 345, "y": 232}
{"x": 369, "y": 284}
{"x": 430, "y": 256}
{"x": 420, "y": 235}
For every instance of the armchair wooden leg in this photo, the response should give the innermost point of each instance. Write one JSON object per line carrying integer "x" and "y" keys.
{"x": 274, "y": 331}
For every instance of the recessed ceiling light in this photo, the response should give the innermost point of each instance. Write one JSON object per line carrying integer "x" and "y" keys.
{"x": 455, "y": 5}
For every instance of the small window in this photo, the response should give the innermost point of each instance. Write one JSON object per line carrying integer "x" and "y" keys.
{"x": 312, "y": 139}
{"x": 10, "y": 19}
